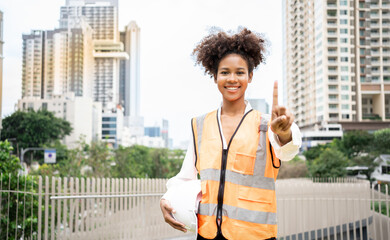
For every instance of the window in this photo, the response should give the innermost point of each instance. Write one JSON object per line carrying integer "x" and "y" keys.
{"x": 109, "y": 119}
{"x": 343, "y": 21}
{"x": 109, "y": 125}
{"x": 333, "y": 106}
{"x": 108, "y": 132}
{"x": 344, "y": 40}
{"x": 333, "y": 96}
{"x": 385, "y": 169}
{"x": 344, "y": 59}
{"x": 343, "y": 12}
{"x": 345, "y": 116}
{"x": 44, "y": 106}
{"x": 344, "y": 87}
{"x": 344, "y": 78}
{"x": 344, "y": 97}
{"x": 332, "y": 87}
{"x": 344, "y": 31}
{"x": 345, "y": 106}
{"x": 343, "y": 50}
{"x": 344, "y": 68}
{"x": 343, "y": 3}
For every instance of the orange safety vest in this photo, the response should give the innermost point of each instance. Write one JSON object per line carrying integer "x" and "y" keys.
{"x": 238, "y": 184}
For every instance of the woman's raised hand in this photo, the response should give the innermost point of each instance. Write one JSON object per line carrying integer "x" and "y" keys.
{"x": 281, "y": 119}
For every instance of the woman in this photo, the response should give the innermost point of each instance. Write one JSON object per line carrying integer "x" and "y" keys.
{"x": 235, "y": 149}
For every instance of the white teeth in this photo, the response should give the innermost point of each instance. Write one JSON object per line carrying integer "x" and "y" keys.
{"x": 232, "y": 88}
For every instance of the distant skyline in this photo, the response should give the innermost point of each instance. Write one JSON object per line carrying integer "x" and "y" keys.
{"x": 171, "y": 86}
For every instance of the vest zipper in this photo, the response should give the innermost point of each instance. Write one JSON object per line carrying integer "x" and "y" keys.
{"x": 221, "y": 189}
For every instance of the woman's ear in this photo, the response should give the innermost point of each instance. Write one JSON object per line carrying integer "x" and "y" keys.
{"x": 250, "y": 77}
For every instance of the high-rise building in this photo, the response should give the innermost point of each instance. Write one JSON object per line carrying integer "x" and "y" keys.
{"x": 102, "y": 16}
{"x": 1, "y": 67}
{"x": 337, "y": 62}
{"x": 131, "y": 78}
{"x": 58, "y": 61}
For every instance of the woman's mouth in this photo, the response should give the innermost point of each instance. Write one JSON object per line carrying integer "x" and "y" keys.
{"x": 232, "y": 88}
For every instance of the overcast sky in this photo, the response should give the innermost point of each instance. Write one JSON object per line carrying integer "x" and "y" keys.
{"x": 171, "y": 86}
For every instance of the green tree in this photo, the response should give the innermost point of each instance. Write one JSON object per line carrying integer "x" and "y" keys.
{"x": 354, "y": 143}
{"x": 9, "y": 164}
{"x": 99, "y": 158}
{"x": 13, "y": 204}
{"x": 295, "y": 168}
{"x": 330, "y": 163}
{"x": 34, "y": 129}
{"x": 315, "y": 152}
{"x": 134, "y": 161}
{"x": 381, "y": 141}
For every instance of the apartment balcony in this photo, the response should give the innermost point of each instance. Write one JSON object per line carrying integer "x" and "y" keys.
{"x": 385, "y": 15}
{"x": 374, "y": 15}
{"x": 371, "y": 116}
{"x": 332, "y": 13}
{"x": 376, "y": 53}
{"x": 374, "y": 25}
{"x": 385, "y": 34}
{"x": 374, "y": 6}
{"x": 333, "y": 119}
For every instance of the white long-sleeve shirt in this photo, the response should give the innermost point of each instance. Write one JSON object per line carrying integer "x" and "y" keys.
{"x": 188, "y": 170}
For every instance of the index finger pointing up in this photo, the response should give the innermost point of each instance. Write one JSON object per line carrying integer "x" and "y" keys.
{"x": 275, "y": 95}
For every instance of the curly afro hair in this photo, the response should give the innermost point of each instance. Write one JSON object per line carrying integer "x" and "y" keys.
{"x": 213, "y": 48}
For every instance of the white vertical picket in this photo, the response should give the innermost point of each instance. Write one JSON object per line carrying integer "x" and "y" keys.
{"x": 53, "y": 208}
{"x": 46, "y": 223}
{"x": 77, "y": 208}
{"x": 59, "y": 233}
{"x": 39, "y": 207}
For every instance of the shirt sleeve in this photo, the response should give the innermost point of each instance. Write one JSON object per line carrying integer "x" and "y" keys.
{"x": 290, "y": 149}
{"x": 187, "y": 172}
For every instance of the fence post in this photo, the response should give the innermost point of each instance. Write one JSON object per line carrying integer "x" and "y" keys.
{"x": 39, "y": 207}
{"x": 53, "y": 208}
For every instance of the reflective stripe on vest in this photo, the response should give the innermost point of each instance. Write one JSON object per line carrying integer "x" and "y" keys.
{"x": 238, "y": 184}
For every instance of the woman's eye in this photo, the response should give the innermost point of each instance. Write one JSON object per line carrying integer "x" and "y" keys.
{"x": 224, "y": 73}
{"x": 240, "y": 73}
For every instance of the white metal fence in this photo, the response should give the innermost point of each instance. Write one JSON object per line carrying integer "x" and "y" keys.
{"x": 73, "y": 208}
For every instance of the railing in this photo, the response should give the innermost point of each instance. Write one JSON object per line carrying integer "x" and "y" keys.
{"x": 73, "y": 208}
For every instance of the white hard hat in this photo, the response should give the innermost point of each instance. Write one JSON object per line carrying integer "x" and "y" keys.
{"x": 185, "y": 200}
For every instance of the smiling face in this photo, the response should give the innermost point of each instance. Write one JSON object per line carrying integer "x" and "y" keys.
{"x": 233, "y": 77}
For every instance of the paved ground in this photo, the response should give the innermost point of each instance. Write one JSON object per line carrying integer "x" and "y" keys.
{"x": 186, "y": 237}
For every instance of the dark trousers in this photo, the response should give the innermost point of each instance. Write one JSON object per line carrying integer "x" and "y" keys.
{"x": 220, "y": 237}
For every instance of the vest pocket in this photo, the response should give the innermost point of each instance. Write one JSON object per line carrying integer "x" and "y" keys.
{"x": 244, "y": 163}
{"x": 254, "y": 195}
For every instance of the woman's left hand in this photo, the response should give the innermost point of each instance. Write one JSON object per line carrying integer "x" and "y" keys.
{"x": 281, "y": 119}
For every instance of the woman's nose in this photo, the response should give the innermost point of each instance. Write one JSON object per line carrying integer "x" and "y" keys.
{"x": 232, "y": 78}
